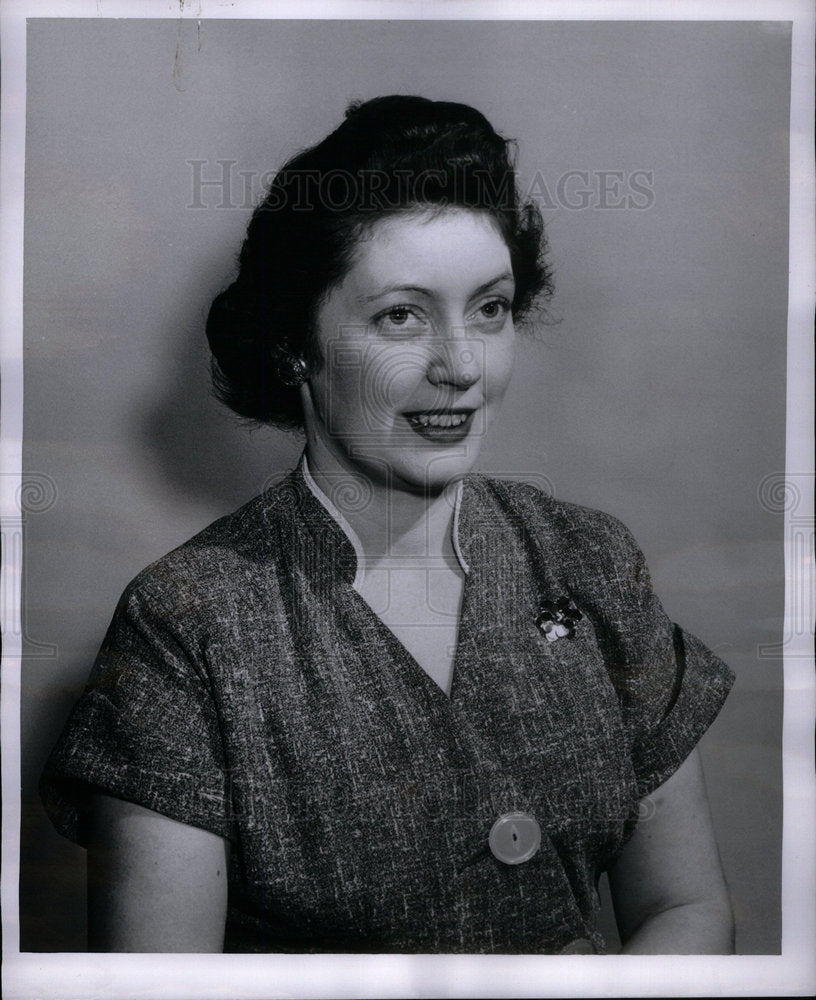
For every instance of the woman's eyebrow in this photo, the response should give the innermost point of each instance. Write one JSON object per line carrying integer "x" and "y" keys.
{"x": 504, "y": 276}
{"x": 395, "y": 288}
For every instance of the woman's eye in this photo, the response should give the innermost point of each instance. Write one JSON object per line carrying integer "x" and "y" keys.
{"x": 495, "y": 309}
{"x": 402, "y": 317}
{"x": 398, "y": 316}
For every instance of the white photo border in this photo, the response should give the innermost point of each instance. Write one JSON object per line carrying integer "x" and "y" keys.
{"x": 27, "y": 975}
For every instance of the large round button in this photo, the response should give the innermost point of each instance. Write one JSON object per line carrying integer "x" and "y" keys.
{"x": 515, "y": 837}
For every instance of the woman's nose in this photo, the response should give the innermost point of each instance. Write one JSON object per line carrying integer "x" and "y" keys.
{"x": 456, "y": 361}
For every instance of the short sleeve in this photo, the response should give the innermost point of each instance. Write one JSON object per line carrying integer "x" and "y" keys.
{"x": 145, "y": 729}
{"x": 702, "y": 685}
{"x": 671, "y": 686}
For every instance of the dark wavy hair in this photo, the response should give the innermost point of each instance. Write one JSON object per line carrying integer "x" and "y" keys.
{"x": 390, "y": 154}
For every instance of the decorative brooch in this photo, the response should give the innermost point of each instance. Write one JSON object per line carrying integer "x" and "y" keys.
{"x": 557, "y": 619}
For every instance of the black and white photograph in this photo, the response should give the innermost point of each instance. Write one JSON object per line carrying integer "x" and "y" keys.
{"x": 407, "y": 499}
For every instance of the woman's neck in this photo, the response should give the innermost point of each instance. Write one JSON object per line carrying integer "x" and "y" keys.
{"x": 389, "y": 522}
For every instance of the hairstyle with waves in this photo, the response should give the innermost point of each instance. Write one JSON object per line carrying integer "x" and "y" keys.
{"x": 390, "y": 154}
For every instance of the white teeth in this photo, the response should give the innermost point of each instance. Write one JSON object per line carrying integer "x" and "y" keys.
{"x": 438, "y": 419}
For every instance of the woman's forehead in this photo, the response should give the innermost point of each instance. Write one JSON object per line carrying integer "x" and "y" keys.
{"x": 428, "y": 247}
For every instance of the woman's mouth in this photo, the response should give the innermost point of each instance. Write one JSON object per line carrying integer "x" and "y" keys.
{"x": 441, "y": 425}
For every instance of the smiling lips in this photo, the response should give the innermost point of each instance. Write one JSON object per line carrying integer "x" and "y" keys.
{"x": 441, "y": 425}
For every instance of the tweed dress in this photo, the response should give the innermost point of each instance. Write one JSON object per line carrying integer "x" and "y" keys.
{"x": 245, "y": 687}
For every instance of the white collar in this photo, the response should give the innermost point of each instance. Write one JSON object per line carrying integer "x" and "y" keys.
{"x": 351, "y": 534}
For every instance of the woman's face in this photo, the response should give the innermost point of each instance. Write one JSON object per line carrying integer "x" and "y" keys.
{"x": 418, "y": 344}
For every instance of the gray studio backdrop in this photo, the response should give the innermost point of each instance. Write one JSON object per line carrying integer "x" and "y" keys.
{"x": 659, "y": 154}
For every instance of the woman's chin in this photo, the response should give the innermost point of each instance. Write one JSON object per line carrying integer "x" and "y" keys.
{"x": 413, "y": 465}
{"x": 432, "y": 473}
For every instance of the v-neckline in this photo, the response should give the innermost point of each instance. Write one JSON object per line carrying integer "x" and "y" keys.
{"x": 401, "y": 651}
{"x": 413, "y": 667}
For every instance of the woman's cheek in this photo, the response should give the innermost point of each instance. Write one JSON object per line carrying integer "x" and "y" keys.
{"x": 389, "y": 379}
{"x": 498, "y": 371}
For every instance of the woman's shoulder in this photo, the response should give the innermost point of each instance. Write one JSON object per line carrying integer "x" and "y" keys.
{"x": 222, "y": 557}
{"x": 558, "y": 521}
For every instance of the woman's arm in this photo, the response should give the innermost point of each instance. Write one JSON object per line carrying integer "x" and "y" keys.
{"x": 667, "y": 886}
{"x": 153, "y": 884}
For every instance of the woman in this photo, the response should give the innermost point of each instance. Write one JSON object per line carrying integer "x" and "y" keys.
{"x": 390, "y": 705}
